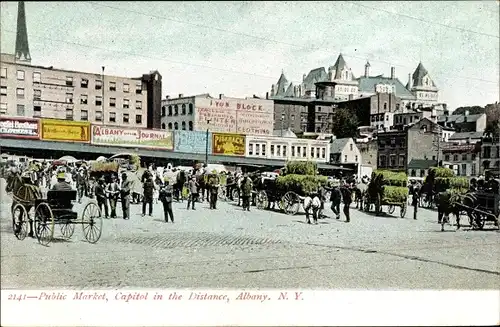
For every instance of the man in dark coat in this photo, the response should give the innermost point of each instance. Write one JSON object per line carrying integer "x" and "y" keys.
{"x": 193, "y": 192}
{"x": 149, "y": 188}
{"x": 125, "y": 196}
{"x": 213, "y": 184}
{"x": 166, "y": 194}
{"x": 246, "y": 191}
{"x": 100, "y": 193}
{"x": 113, "y": 191}
{"x": 61, "y": 185}
{"x": 347, "y": 198}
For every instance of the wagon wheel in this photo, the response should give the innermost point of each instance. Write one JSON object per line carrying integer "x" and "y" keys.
{"x": 222, "y": 193}
{"x": 402, "y": 212}
{"x": 20, "y": 221}
{"x": 290, "y": 203}
{"x": 236, "y": 195}
{"x": 44, "y": 223}
{"x": 262, "y": 200}
{"x": 391, "y": 209}
{"x": 67, "y": 229}
{"x": 92, "y": 222}
{"x": 479, "y": 221}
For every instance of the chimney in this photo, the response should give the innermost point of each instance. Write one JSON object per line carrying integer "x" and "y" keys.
{"x": 221, "y": 96}
{"x": 367, "y": 69}
{"x": 409, "y": 81}
{"x": 393, "y": 72}
{"x": 303, "y": 77}
{"x": 181, "y": 95}
{"x": 272, "y": 90}
{"x": 267, "y": 95}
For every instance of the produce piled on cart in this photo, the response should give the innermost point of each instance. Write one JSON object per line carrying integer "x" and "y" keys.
{"x": 387, "y": 188}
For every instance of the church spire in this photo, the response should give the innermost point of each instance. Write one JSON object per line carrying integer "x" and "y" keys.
{"x": 22, "y": 47}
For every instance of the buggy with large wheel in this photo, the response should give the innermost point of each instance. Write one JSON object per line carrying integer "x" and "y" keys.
{"x": 483, "y": 205}
{"x": 57, "y": 209}
{"x": 387, "y": 188}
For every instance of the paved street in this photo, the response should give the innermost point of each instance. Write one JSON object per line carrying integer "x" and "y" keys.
{"x": 229, "y": 248}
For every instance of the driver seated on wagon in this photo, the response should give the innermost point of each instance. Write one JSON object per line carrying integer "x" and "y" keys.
{"x": 61, "y": 186}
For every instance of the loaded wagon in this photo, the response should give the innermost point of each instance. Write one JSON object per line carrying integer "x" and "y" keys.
{"x": 387, "y": 188}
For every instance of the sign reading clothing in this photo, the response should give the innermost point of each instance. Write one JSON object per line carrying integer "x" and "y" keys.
{"x": 131, "y": 137}
{"x": 65, "y": 130}
{"x": 23, "y": 128}
{"x": 228, "y": 144}
{"x": 228, "y": 115}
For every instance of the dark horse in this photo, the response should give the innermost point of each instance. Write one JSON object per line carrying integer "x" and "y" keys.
{"x": 179, "y": 184}
{"x": 23, "y": 193}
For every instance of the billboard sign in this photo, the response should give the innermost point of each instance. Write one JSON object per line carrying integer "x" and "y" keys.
{"x": 22, "y": 128}
{"x": 65, "y": 130}
{"x": 228, "y": 144}
{"x": 131, "y": 137}
{"x": 230, "y": 115}
{"x": 192, "y": 141}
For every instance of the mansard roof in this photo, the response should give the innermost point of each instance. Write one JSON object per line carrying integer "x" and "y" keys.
{"x": 419, "y": 74}
{"x": 367, "y": 84}
{"x": 314, "y": 76}
{"x": 339, "y": 65}
{"x": 290, "y": 92}
{"x": 281, "y": 86}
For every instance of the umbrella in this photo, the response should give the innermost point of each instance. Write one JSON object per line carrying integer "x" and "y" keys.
{"x": 101, "y": 158}
{"x": 68, "y": 159}
{"x": 121, "y": 155}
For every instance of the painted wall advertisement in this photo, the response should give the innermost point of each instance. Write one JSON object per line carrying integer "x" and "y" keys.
{"x": 23, "y": 128}
{"x": 241, "y": 116}
{"x": 65, "y": 130}
{"x": 228, "y": 144}
{"x": 131, "y": 137}
{"x": 192, "y": 141}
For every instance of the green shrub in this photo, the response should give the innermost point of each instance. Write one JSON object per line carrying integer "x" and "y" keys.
{"x": 442, "y": 184}
{"x": 387, "y": 177}
{"x": 104, "y": 166}
{"x": 301, "y": 168}
{"x": 435, "y": 172}
{"x": 395, "y": 194}
{"x": 300, "y": 184}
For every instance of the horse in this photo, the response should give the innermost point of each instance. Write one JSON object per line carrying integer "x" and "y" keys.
{"x": 180, "y": 181}
{"x": 448, "y": 203}
{"x": 359, "y": 190}
{"x": 314, "y": 204}
{"x": 24, "y": 194}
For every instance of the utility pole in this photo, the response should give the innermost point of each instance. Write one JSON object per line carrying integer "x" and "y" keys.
{"x": 102, "y": 104}
{"x": 206, "y": 145}
{"x": 438, "y": 145}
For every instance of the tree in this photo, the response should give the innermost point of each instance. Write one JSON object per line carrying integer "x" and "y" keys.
{"x": 473, "y": 110}
{"x": 493, "y": 118}
{"x": 344, "y": 123}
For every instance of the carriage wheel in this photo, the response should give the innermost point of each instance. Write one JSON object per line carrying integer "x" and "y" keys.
{"x": 391, "y": 209}
{"x": 236, "y": 196}
{"x": 290, "y": 203}
{"x": 402, "y": 212}
{"x": 67, "y": 229}
{"x": 44, "y": 223}
{"x": 92, "y": 222}
{"x": 20, "y": 221}
{"x": 222, "y": 193}
{"x": 261, "y": 200}
{"x": 479, "y": 221}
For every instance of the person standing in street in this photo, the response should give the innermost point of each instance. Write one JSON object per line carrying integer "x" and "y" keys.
{"x": 125, "y": 196}
{"x": 149, "y": 188}
{"x": 347, "y": 198}
{"x": 246, "y": 188}
{"x": 193, "y": 192}
{"x": 100, "y": 193}
{"x": 213, "y": 190}
{"x": 81, "y": 184}
{"x": 113, "y": 191}
{"x": 166, "y": 196}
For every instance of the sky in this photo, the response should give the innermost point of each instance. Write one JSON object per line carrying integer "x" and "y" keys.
{"x": 240, "y": 48}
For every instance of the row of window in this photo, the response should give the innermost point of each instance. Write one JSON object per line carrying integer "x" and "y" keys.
{"x": 175, "y": 126}
{"x": 392, "y": 161}
{"x": 487, "y": 153}
{"x": 259, "y": 149}
{"x": 84, "y": 82}
{"x": 174, "y": 111}
{"x": 464, "y": 157}
{"x": 403, "y": 120}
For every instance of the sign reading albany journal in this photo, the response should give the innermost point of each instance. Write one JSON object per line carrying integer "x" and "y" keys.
{"x": 131, "y": 137}
{"x": 65, "y": 130}
{"x": 192, "y": 142}
{"x": 228, "y": 144}
{"x": 24, "y": 128}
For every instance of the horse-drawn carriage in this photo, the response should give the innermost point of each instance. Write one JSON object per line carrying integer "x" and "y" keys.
{"x": 55, "y": 209}
{"x": 387, "y": 188}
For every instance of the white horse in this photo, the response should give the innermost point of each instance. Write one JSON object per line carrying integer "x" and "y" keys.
{"x": 313, "y": 204}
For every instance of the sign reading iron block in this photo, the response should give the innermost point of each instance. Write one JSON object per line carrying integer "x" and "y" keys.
{"x": 22, "y": 128}
{"x": 131, "y": 137}
{"x": 192, "y": 141}
{"x": 228, "y": 144}
{"x": 65, "y": 130}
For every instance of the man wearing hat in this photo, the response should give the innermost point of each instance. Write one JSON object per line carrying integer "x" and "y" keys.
{"x": 166, "y": 193}
{"x": 100, "y": 193}
{"x": 125, "y": 196}
{"x": 193, "y": 192}
{"x": 61, "y": 184}
{"x": 113, "y": 190}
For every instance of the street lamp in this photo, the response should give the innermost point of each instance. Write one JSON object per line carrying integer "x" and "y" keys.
{"x": 206, "y": 145}
{"x": 282, "y": 120}
{"x": 102, "y": 104}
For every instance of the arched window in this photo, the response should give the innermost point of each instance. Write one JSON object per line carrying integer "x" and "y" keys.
{"x": 183, "y": 125}
{"x": 170, "y": 126}
{"x": 162, "y": 125}
{"x": 190, "y": 123}
{"x": 183, "y": 109}
{"x": 190, "y": 108}
{"x": 170, "y": 110}
{"x": 176, "y": 125}
{"x": 176, "y": 110}
{"x": 163, "y": 111}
